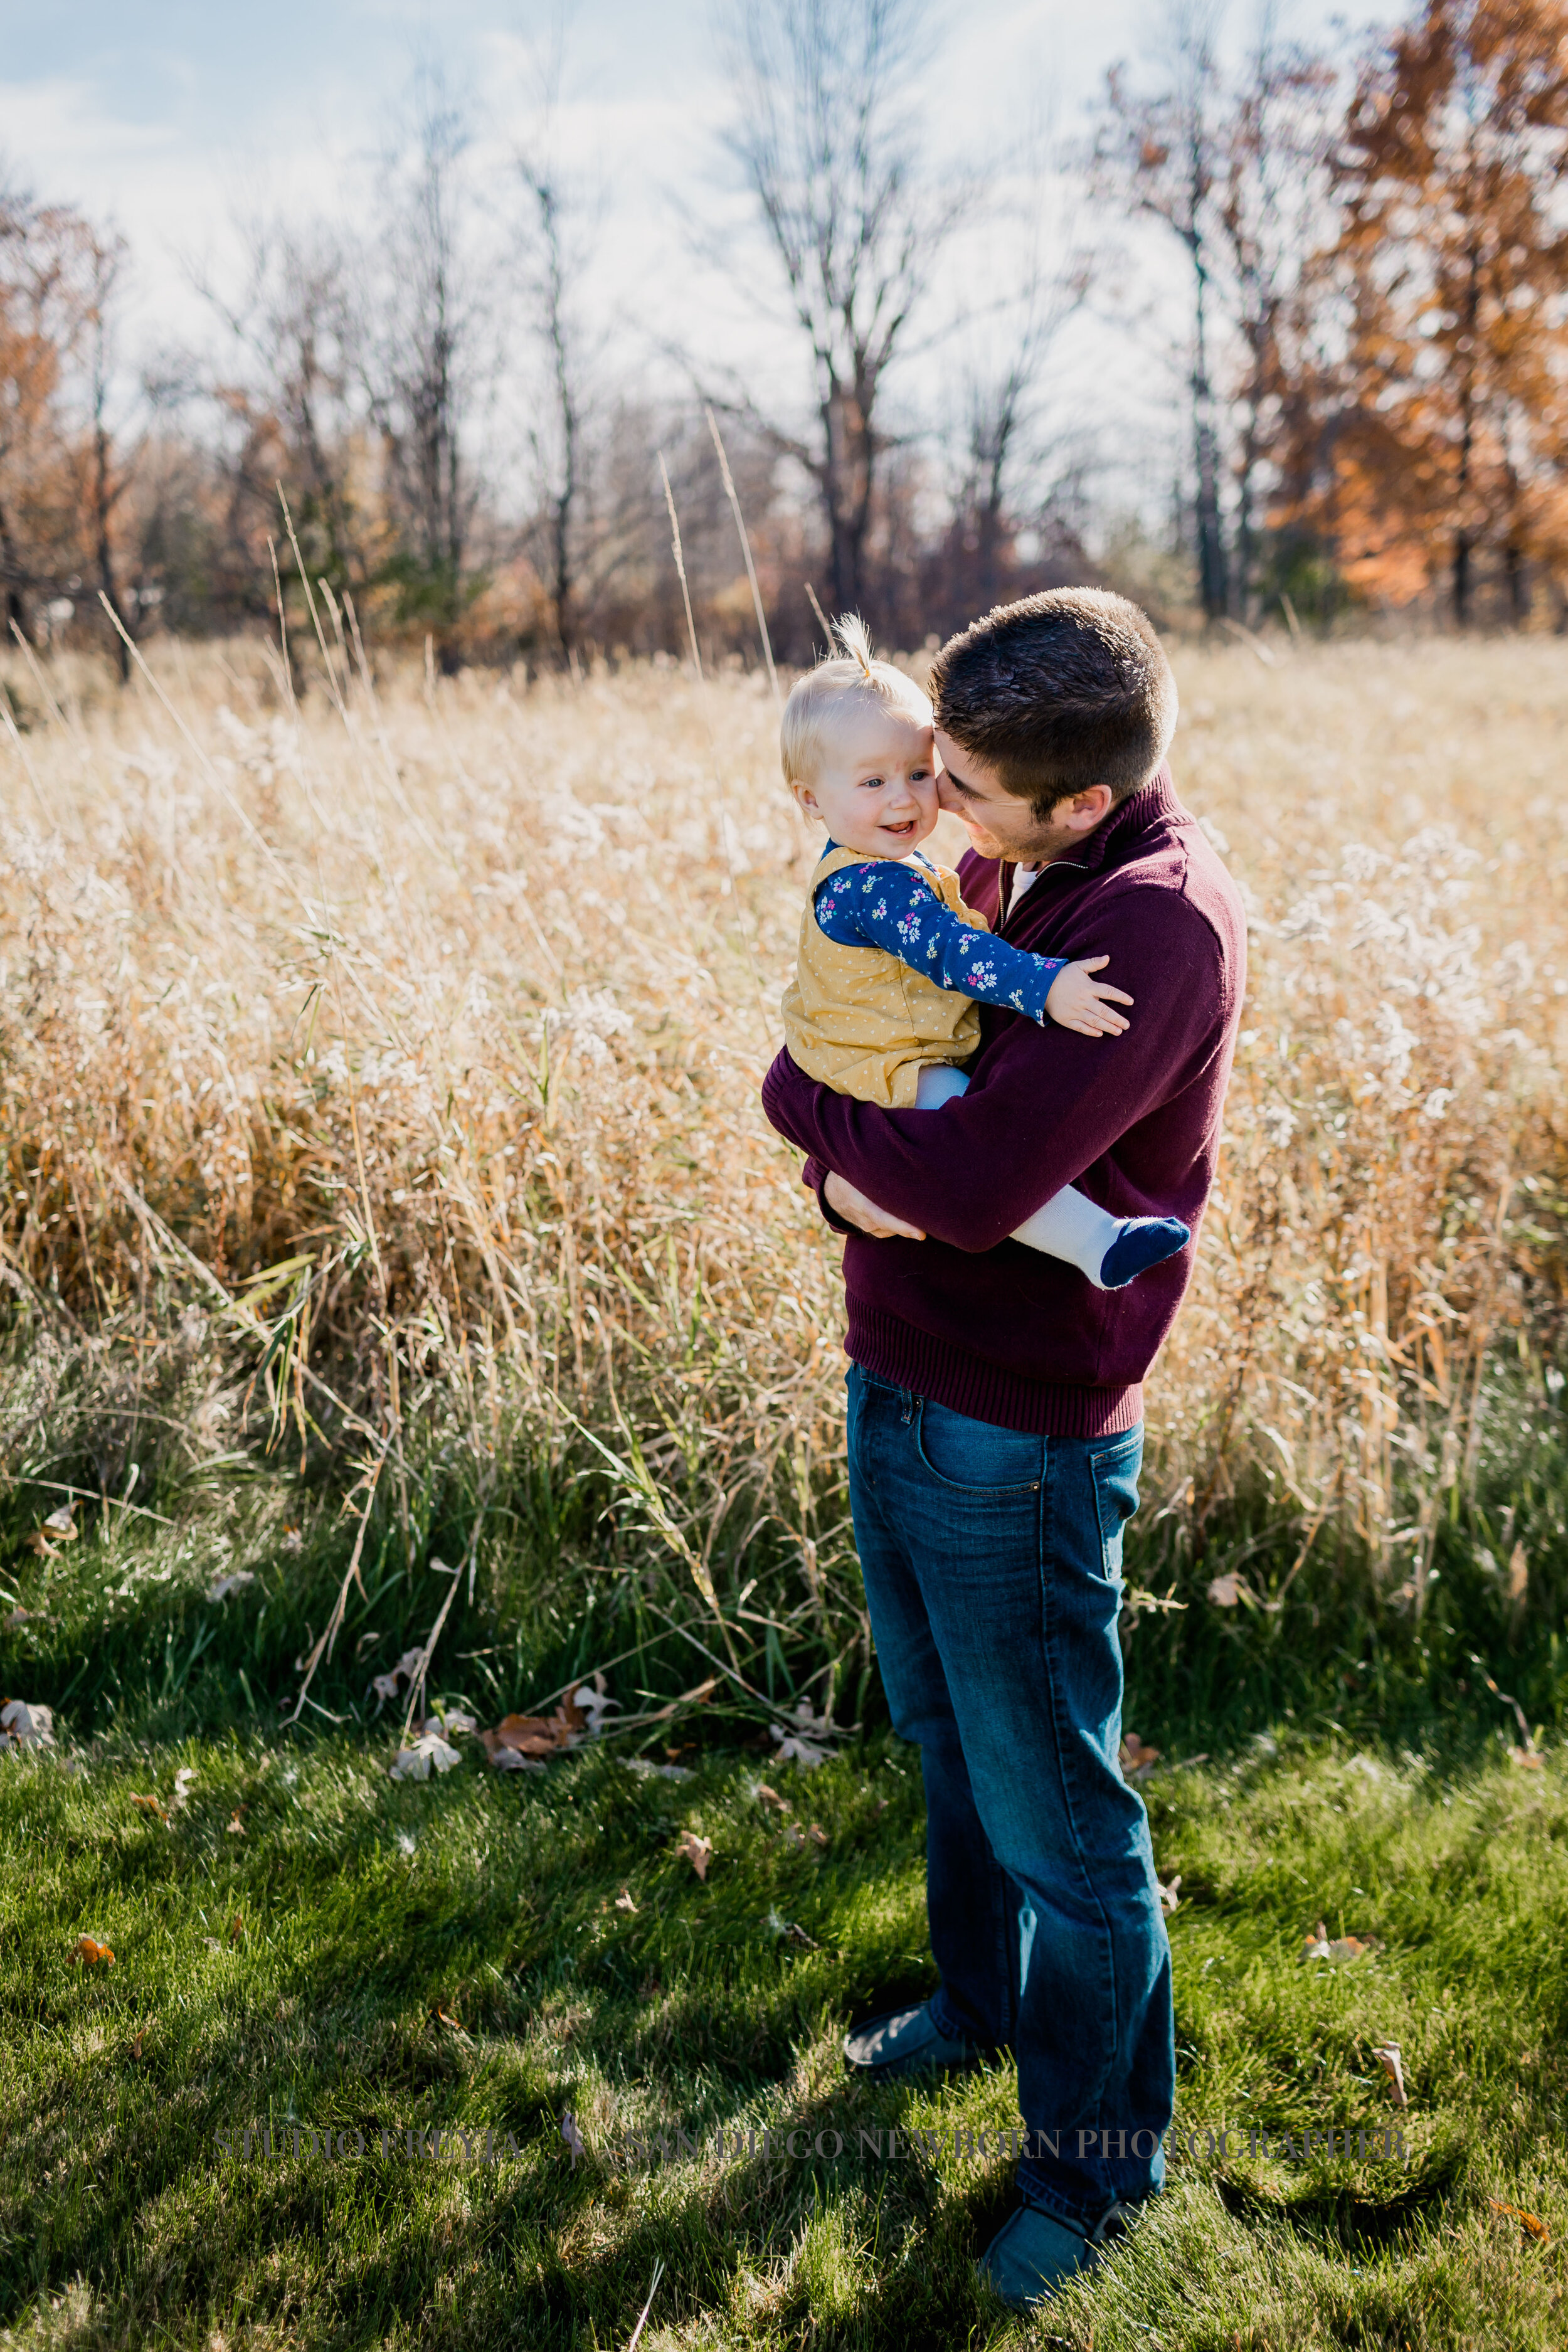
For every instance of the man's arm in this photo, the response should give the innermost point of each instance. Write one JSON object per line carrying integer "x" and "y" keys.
{"x": 1045, "y": 1105}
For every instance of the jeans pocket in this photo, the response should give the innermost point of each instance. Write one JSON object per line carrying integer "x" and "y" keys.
{"x": 975, "y": 1455}
{"x": 1114, "y": 1469}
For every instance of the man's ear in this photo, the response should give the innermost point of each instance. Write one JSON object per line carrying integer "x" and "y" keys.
{"x": 1086, "y": 810}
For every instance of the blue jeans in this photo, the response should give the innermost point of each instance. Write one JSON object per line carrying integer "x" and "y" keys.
{"x": 993, "y": 1568}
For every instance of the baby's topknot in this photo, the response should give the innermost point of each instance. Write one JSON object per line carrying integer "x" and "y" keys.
{"x": 853, "y": 670}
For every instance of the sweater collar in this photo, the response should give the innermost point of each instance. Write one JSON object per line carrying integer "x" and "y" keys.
{"x": 1153, "y": 803}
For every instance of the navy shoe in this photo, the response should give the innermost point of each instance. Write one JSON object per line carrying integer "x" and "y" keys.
{"x": 1033, "y": 2252}
{"x": 906, "y": 2042}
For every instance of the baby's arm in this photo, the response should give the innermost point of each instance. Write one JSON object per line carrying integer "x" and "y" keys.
{"x": 880, "y": 905}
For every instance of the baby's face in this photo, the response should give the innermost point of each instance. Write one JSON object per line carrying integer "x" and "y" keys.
{"x": 876, "y": 789}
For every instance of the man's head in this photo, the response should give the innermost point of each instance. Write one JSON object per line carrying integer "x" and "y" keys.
{"x": 1050, "y": 712}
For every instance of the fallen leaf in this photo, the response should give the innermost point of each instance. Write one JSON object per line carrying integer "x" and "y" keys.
{"x": 1518, "y": 1573}
{"x": 136, "y": 2045}
{"x": 807, "y": 1746}
{"x": 1531, "y": 2221}
{"x": 455, "y": 2022}
{"x": 148, "y": 1805}
{"x": 228, "y": 1585}
{"x": 60, "y": 1525}
{"x": 293, "y": 1540}
{"x": 535, "y": 1735}
{"x": 1529, "y": 1759}
{"x": 37, "y": 1541}
{"x": 771, "y": 1797}
{"x": 236, "y": 1927}
{"x": 90, "y": 1953}
{"x": 429, "y": 1752}
{"x": 817, "y": 1835}
{"x": 512, "y": 1759}
{"x": 698, "y": 1850}
{"x": 26, "y": 1725}
{"x": 572, "y": 2136}
{"x": 1388, "y": 2059}
{"x": 384, "y": 1685}
{"x": 184, "y": 1779}
{"x": 236, "y": 1826}
{"x": 594, "y": 1702}
{"x": 624, "y": 1900}
{"x": 455, "y": 1721}
{"x": 1224, "y": 1591}
{"x": 1137, "y": 1761}
{"x": 1168, "y": 1894}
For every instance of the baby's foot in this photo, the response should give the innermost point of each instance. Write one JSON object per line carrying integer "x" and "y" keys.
{"x": 1142, "y": 1242}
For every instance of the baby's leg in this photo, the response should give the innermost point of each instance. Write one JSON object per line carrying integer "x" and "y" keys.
{"x": 937, "y": 1083}
{"x": 1109, "y": 1251}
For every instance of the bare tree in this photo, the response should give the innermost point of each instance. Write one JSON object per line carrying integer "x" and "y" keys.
{"x": 110, "y": 472}
{"x": 828, "y": 133}
{"x": 296, "y": 338}
{"x": 1233, "y": 165}
{"x": 423, "y": 359}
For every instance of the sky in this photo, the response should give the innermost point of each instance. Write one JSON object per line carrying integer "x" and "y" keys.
{"x": 172, "y": 118}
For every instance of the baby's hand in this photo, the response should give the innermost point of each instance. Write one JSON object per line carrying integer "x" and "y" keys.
{"x": 1074, "y": 1001}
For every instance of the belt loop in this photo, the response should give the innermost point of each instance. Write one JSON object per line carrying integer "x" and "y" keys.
{"x": 907, "y": 1400}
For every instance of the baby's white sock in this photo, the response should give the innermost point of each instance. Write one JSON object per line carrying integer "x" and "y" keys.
{"x": 1070, "y": 1226}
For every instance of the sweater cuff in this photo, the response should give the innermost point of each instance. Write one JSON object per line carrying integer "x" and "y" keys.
{"x": 815, "y": 1176}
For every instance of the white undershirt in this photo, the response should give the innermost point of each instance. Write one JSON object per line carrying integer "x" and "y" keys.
{"x": 1023, "y": 878}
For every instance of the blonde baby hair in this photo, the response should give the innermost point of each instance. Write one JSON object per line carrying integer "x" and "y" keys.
{"x": 815, "y": 698}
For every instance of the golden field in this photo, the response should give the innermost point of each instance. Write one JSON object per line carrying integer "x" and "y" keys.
{"x": 448, "y": 1002}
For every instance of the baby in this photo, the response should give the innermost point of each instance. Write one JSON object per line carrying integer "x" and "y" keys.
{"x": 890, "y": 959}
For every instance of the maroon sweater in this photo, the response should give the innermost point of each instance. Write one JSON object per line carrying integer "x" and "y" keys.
{"x": 968, "y": 1318}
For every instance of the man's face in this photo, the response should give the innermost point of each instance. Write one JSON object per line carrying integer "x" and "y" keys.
{"x": 1001, "y": 825}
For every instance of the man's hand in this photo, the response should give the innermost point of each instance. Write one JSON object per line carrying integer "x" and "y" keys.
{"x": 1077, "y": 1001}
{"x": 856, "y": 1210}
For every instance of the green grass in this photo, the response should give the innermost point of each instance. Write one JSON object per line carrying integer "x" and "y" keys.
{"x": 368, "y": 1906}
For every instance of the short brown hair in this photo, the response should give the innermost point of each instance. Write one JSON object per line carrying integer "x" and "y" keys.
{"x": 1060, "y": 692}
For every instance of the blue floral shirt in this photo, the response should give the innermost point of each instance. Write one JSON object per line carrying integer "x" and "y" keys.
{"x": 893, "y": 907}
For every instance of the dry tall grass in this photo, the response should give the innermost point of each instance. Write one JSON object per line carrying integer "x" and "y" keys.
{"x": 448, "y": 1003}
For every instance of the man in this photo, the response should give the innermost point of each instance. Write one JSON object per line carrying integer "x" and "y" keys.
{"x": 996, "y": 1398}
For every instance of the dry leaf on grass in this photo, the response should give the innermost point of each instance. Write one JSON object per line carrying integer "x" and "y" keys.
{"x": 791, "y": 1930}
{"x": 26, "y": 1725}
{"x": 805, "y": 1745}
{"x": 136, "y": 2045}
{"x": 90, "y": 1953}
{"x": 1137, "y": 1761}
{"x": 1518, "y": 1573}
{"x": 1339, "y": 1949}
{"x": 447, "y": 1726}
{"x": 1168, "y": 1894}
{"x": 772, "y": 1797}
{"x": 624, "y": 1901}
{"x": 148, "y": 1805}
{"x": 817, "y": 1835}
{"x": 60, "y": 1527}
{"x": 236, "y": 1927}
{"x": 1531, "y": 2221}
{"x": 1227, "y": 1591}
{"x": 572, "y": 2136}
{"x": 236, "y": 1826}
{"x": 698, "y": 1850}
{"x": 429, "y": 1753}
{"x": 184, "y": 1779}
{"x": 1529, "y": 1759}
{"x": 456, "y": 2024}
{"x": 1388, "y": 2059}
{"x": 224, "y": 1585}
